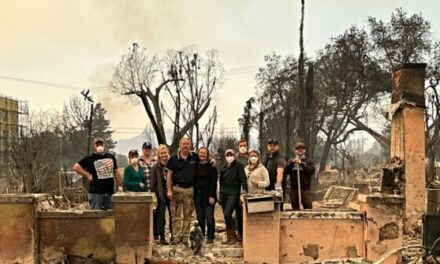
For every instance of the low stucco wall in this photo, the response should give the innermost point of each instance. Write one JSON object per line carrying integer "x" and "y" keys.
{"x": 309, "y": 236}
{"x": 18, "y": 224}
{"x": 367, "y": 232}
{"x": 30, "y": 236}
{"x": 79, "y": 234}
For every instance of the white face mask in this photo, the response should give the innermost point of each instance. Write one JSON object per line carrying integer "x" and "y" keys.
{"x": 100, "y": 149}
{"x": 230, "y": 159}
{"x": 134, "y": 161}
{"x": 242, "y": 150}
{"x": 253, "y": 160}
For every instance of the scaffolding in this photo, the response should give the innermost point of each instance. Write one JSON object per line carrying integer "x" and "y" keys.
{"x": 12, "y": 114}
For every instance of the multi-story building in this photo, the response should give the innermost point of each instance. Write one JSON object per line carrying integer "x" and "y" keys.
{"x": 10, "y": 128}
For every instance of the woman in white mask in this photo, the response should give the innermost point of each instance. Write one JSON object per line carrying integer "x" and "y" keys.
{"x": 232, "y": 181}
{"x": 134, "y": 179}
{"x": 257, "y": 174}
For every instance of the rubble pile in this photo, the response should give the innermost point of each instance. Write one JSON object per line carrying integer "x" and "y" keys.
{"x": 411, "y": 254}
{"x": 337, "y": 197}
{"x": 213, "y": 253}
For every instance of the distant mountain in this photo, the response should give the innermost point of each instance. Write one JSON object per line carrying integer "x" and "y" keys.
{"x": 125, "y": 145}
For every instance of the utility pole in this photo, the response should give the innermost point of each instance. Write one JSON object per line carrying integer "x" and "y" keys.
{"x": 89, "y": 98}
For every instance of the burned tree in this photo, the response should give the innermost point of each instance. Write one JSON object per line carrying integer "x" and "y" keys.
{"x": 276, "y": 84}
{"x": 35, "y": 155}
{"x": 178, "y": 88}
{"x": 247, "y": 118}
{"x": 350, "y": 81}
{"x": 301, "y": 94}
{"x": 403, "y": 39}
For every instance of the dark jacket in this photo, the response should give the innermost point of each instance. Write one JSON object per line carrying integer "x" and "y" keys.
{"x": 306, "y": 172}
{"x": 157, "y": 175}
{"x": 233, "y": 178}
{"x": 206, "y": 180}
{"x": 242, "y": 158}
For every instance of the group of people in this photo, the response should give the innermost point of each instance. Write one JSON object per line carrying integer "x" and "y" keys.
{"x": 189, "y": 181}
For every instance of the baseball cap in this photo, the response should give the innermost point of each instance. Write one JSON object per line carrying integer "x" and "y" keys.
{"x": 133, "y": 152}
{"x": 272, "y": 141}
{"x": 229, "y": 151}
{"x": 97, "y": 140}
{"x": 300, "y": 145}
{"x": 147, "y": 145}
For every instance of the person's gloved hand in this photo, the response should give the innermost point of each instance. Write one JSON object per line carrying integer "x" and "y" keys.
{"x": 279, "y": 188}
{"x": 120, "y": 189}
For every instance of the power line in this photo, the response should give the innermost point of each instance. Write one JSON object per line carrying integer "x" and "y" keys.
{"x": 231, "y": 71}
{"x": 50, "y": 84}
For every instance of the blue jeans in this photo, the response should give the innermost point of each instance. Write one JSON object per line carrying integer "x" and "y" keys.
{"x": 101, "y": 201}
{"x": 205, "y": 214}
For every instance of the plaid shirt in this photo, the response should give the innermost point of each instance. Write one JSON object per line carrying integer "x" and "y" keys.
{"x": 147, "y": 168}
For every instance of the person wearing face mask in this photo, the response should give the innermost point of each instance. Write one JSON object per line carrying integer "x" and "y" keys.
{"x": 243, "y": 154}
{"x": 158, "y": 186}
{"x": 100, "y": 169}
{"x": 275, "y": 164}
{"x": 205, "y": 194}
{"x": 257, "y": 174}
{"x": 306, "y": 169}
{"x": 134, "y": 180}
{"x": 232, "y": 182}
{"x": 243, "y": 157}
{"x": 146, "y": 161}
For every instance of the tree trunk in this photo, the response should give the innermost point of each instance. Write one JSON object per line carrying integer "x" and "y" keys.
{"x": 324, "y": 156}
{"x": 197, "y": 135}
{"x": 310, "y": 116}
{"x": 288, "y": 131}
{"x": 261, "y": 129}
{"x": 302, "y": 129}
{"x": 383, "y": 141}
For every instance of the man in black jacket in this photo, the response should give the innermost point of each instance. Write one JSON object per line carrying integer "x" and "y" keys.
{"x": 306, "y": 169}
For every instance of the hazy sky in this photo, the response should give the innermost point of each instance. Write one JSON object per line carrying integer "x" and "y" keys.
{"x": 78, "y": 42}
